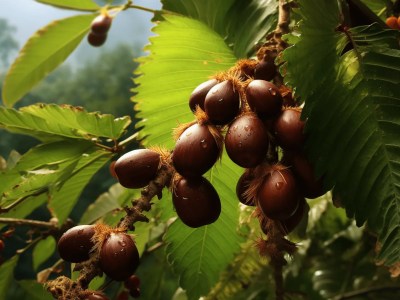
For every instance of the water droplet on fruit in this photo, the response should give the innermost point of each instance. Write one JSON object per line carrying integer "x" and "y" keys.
{"x": 247, "y": 128}
{"x": 80, "y": 231}
{"x": 272, "y": 91}
{"x": 220, "y": 100}
{"x": 279, "y": 185}
{"x": 122, "y": 243}
{"x": 240, "y": 145}
{"x": 203, "y": 144}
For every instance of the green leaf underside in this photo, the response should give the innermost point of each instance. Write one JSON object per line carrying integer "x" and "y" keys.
{"x": 353, "y": 110}
{"x": 63, "y": 200}
{"x": 42, "y": 53}
{"x": 186, "y": 53}
{"x": 43, "y": 251}
{"x": 49, "y": 122}
{"x": 257, "y": 18}
{"x": 7, "y": 275}
{"x": 85, "y": 5}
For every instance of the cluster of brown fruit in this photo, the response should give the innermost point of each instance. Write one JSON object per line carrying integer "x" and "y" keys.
{"x": 117, "y": 254}
{"x": 99, "y": 29}
{"x": 393, "y": 22}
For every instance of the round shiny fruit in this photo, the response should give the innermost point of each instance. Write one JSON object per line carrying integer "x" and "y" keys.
{"x": 195, "y": 152}
{"x": 135, "y": 169}
{"x": 222, "y": 103}
{"x": 242, "y": 186}
{"x": 96, "y": 40}
{"x": 310, "y": 186}
{"x": 135, "y": 293}
{"x": 246, "y": 141}
{"x": 132, "y": 282}
{"x": 391, "y": 22}
{"x": 196, "y": 201}
{"x": 291, "y": 223}
{"x": 264, "y": 99}
{"x": 288, "y": 129}
{"x": 101, "y": 24}
{"x": 97, "y": 296}
{"x": 75, "y": 244}
{"x": 199, "y": 94}
{"x": 119, "y": 256}
{"x": 265, "y": 69}
{"x": 278, "y": 196}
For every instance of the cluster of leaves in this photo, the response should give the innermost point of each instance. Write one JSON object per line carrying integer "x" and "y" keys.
{"x": 352, "y": 109}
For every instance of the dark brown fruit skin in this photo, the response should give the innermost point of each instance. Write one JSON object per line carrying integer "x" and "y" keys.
{"x": 96, "y": 40}
{"x": 288, "y": 129}
{"x": 119, "y": 256}
{"x": 222, "y": 103}
{"x": 97, "y": 296}
{"x": 246, "y": 141}
{"x": 199, "y": 94}
{"x": 132, "y": 282}
{"x": 101, "y": 24}
{"x": 196, "y": 151}
{"x": 241, "y": 187}
{"x": 124, "y": 295}
{"x": 196, "y": 202}
{"x": 310, "y": 186}
{"x": 264, "y": 98}
{"x": 291, "y": 223}
{"x": 278, "y": 196}
{"x": 135, "y": 293}
{"x": 136, "y": 168}
{"x": 112, "y": 169}
{"x": 75, "y": 244}
{"x": 265, "y": 69}
{"x": 1, "y": 245}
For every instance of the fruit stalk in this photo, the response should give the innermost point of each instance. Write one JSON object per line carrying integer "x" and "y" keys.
{"x": 284, "y": 17}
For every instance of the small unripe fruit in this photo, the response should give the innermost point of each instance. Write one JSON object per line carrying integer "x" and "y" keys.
{"x": 391, "y": 22}
{"x": 132, "y": 282}
{"x": 101, "y": 24}
{"x": 196, "y": 201}
{"x": 135, "y": 169}
{"x": 265, "y": 69}
{"x": 242, "y": 186}
{"x": 135, "y": 293}
{"x": 288, "y": 129}
{"x": 96, "y": 40}
{"x": 75, "y": 244}
{"x": 246, "y": 141}
{"x": 222, "y": 103}
{"x": 199, "y": 94}
{"x": 119, "y": 256}
{"x": 195, "y": 152}
{"x": 264, "y": 98}
{"x": 97, "y": 296}
{"x": 278, "y": 196}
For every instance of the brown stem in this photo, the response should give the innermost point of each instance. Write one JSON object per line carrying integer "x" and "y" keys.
{"x": 284, "y": 17}
{"x": 33, "y": 223}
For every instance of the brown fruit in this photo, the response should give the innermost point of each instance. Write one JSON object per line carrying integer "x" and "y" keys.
{"x": 75, "y": 244}
{"x": 112, "y": 169}
{"x": 135, "y": 169}
{"x": 264, "y": 98}
{"x": 132, "y": 282}
{"x": 265, "y": 69}
{"x": 391, "y": 22}
{"x": 97, "y": 296}
{"x": 242, "y": 186}
{"x": 246, "y": 141}
{"x": 119, "y": 256}
{"x": 199, "y": 94}
{"x": 196, "y": 151}
{"x": 135, "y": 293}
{"x": 101, "y": 24}
{"x": 2, "y": 245}
{"x": 291, "y": 223}
{"x": 196, "y": 201}
{"x": 288, "y": 129}
{"x": 222, "y": 103}
{"x": 278, "y": 196}
{"x": 96, "y": 40}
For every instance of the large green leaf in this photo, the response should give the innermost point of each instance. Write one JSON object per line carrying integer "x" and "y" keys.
{"x": 257, "y": 18}
{"x": 43, "y": 52}
{"x": 35, "y": 290}
{"x": 352, "y": 106}
{"x": 43, "y": 250}
{"x": 52, "y": 122}
{"x": 7, "y": 275}
{"x": 185, "y": 53}
{"x": 85, "y": 5}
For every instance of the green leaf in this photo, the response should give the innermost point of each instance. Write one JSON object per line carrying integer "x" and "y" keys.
{"x": 84, "y": 5}
{"x": 200, "y": 255}
{"x": 34, "y": 290}
{"x": 185, "y": 53}
{"x": 352, "y": 106}
{"x": 7, "y": 275}
{"x": 49, "y": 122}
{"x": 43, "y": 52}
{"x": 63, "y": 200}
{"x": 43, "y": 250}
{"x": 257, "y": 19}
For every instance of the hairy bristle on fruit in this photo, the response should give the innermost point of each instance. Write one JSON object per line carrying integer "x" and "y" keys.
{"x": 177, "y": 131}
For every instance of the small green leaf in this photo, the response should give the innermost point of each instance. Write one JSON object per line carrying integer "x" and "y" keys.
{"x": 7, "y": 275}
{"x": 84, "y": 5}
{"x": 43, "y": 251}
{"x": 35, "y": 290}
{"x": 43, "y": 52}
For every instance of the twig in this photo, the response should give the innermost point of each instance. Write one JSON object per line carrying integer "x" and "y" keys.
{"x": 284, "y": 17}
{"x": 366, "y": 291}
{"x": 34, "y": 223}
